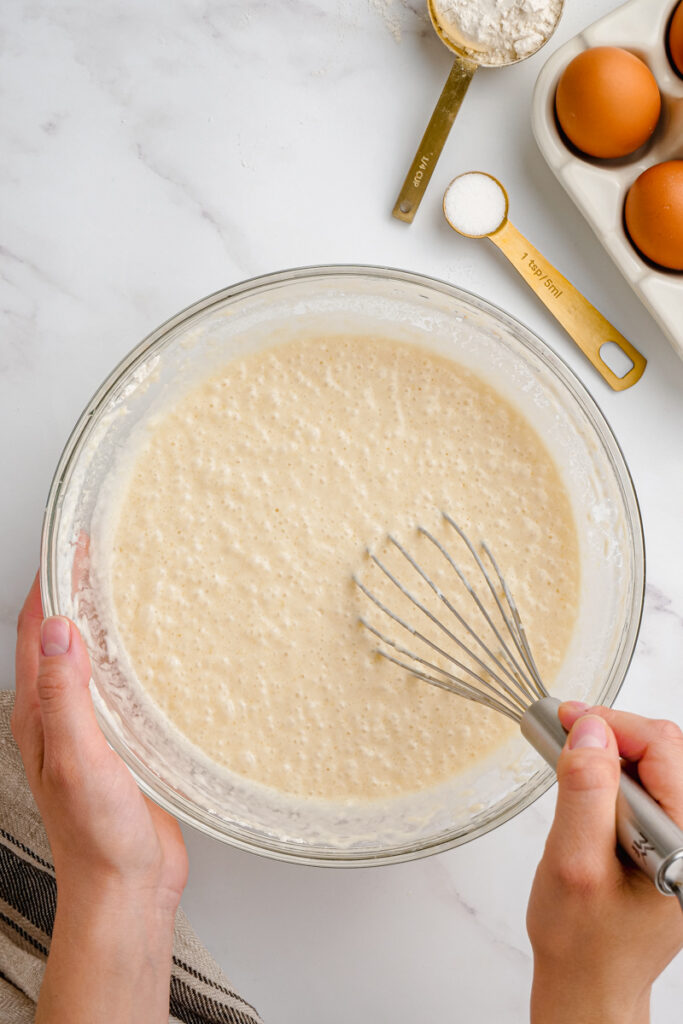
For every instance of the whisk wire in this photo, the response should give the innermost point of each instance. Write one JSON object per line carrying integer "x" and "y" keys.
{"x": 453, "y": 683}
{"x": 506, "y": 681}
{"x": 456, "y": 686}
{"x": 515, "y": 702}
{"x": 517, "y": 675}
{"x": 515, "y": 627}
{"x": 518, "y": 633}
{"x": 484, "y": 666}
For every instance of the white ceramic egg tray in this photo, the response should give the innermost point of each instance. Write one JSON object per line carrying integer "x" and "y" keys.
{"x": 599, "y": 187}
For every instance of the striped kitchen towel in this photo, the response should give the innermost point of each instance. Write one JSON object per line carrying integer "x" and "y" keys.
{"x": 200, "y": 992}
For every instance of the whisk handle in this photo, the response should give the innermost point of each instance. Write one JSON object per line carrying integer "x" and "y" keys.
{"x": 648, "y": 835}
{"x": 543, "y": 729}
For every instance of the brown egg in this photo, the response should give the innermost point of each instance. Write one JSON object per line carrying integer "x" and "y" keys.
{"x": 654, "y": 214}
{"x": 676, "y": 39}
{"x": 607, "y": 102}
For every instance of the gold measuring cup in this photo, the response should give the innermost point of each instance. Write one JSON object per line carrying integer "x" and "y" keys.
{"x": 584, "y": 324}
{"x": 466, "y": 62}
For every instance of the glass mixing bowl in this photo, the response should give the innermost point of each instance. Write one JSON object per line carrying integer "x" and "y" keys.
{"x": 367, "y": 300}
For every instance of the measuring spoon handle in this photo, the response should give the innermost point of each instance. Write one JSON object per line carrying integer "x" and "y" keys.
{"x": 581, "y": 320}
{"x": 434, "y": 138}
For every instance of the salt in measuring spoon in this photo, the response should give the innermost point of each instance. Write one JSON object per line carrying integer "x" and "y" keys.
{"x": 475, "y": 204}
{"x": 467, "y": 59}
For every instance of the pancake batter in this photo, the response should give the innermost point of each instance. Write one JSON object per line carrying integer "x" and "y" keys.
{"x": 248, "y": 506}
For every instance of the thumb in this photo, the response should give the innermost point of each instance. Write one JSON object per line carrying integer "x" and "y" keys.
{"x": 583, "y": 835}
{"x": 62, "y": 686}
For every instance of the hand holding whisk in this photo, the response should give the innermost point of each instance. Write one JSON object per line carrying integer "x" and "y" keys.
{"x": 498, "y": 671}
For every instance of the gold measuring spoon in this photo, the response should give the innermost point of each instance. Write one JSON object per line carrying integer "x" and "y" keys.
{"x": 467, "y": 60}
{"x": 475, "y": 204}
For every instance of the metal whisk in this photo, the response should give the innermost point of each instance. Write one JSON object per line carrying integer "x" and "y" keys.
{"x": 500, "y": 673}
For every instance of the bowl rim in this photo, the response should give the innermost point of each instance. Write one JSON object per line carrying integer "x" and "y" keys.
{"x": 148, "y": 781}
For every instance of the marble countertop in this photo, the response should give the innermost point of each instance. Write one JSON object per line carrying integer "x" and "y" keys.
{"x": 155, "y": 152}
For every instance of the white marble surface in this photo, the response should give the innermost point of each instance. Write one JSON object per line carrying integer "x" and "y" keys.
{"x": 152, "y": 152}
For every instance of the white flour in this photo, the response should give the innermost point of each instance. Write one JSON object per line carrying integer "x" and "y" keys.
{"x": 501, "y": 30}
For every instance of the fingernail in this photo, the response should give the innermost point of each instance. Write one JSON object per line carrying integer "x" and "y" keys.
{"x": 55, "y": 636}
{"x": 575, "y": 705}
{"x": 588, "y": 732}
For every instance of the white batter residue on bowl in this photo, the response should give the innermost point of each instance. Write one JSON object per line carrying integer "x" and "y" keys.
{"x": 249, "y": 503}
